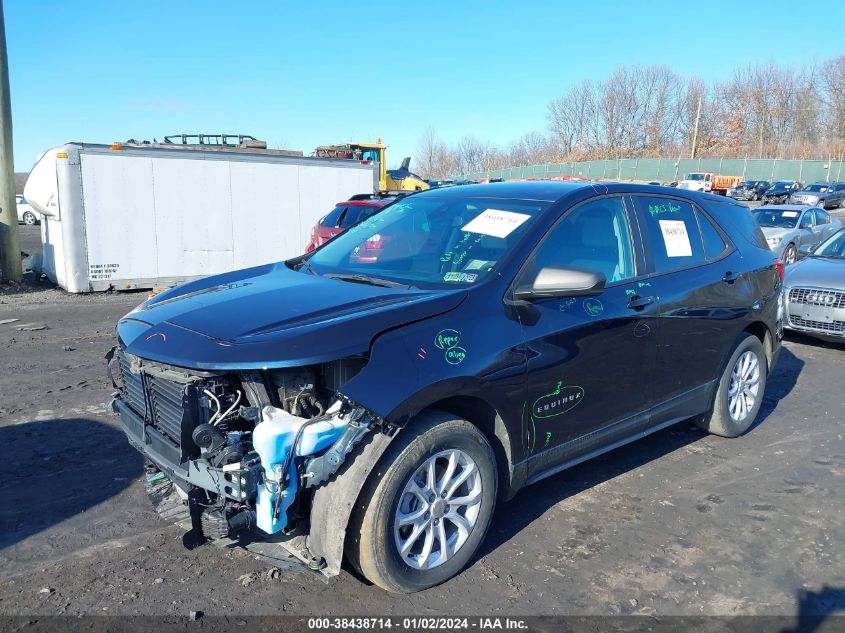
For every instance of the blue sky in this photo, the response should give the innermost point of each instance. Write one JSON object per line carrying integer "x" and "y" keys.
{"x": 302, "y": 74}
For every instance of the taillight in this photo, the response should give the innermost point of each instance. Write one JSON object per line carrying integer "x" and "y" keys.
{"x": 779, "y": 267}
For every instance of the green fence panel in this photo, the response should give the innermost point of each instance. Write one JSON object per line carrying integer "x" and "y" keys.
{"x": 673, "y": 169}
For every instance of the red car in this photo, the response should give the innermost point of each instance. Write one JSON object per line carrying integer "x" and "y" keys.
{"x": 344, "y": 215}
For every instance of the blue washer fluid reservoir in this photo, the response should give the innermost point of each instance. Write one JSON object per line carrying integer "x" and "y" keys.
{"x": 272, "y": 439}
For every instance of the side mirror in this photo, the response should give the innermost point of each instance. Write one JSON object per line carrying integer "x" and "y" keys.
{"x": 555, "y": 281}
{"x": 806, "y": 249}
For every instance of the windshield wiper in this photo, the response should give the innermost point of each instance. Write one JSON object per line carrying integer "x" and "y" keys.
{"x": 364, "y": 279}
{"x": 305, "y": 266}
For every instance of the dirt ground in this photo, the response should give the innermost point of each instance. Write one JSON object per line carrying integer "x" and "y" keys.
{"x": 679, "y": 523}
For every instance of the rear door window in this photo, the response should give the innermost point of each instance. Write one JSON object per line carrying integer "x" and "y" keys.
{"x": 670, "y": 229}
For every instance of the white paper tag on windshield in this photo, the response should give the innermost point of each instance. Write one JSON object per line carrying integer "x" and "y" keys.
{"x": 790, "y": 214}
{"x": 675, "y": 238}
{"x": 495, "y": 222}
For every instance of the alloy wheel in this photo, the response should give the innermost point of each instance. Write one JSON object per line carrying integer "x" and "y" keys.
{"x": 437, "y": 509}
{"x": 789, "y": 255}
{"x": 744, "y": 386}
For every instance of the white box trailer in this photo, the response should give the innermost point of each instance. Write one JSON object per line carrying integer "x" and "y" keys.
{"x": 138, "y": 216}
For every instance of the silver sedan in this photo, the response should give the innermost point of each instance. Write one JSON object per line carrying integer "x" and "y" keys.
{"x": 790, "y": 229}
{"x": 814, "y": 291}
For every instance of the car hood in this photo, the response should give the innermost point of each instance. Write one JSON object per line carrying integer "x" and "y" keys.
{"x": 271, "y": 316}
{"x": 820, "y": 272}
{"x": 773, "y": 231}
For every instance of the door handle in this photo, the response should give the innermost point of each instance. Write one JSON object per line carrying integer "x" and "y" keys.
{"x": 730, "y": 277}
{"x": 638, "y": 303}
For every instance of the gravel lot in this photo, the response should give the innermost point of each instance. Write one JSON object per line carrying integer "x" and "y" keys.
{"x": 678, "y": 523}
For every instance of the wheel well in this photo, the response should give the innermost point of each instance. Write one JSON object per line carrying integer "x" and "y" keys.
{"x": 489, "y": 422}
{"x": 759, "y": 329}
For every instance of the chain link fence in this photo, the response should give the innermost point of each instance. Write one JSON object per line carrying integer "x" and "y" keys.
{"x": 668, "y": 169}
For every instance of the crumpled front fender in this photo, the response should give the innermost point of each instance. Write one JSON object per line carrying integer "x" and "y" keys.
{"x": 333, "y": 502}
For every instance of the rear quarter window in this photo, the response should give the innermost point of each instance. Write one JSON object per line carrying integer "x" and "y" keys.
{"x": 714, "y": 243}
{"x": 736, "y": 220}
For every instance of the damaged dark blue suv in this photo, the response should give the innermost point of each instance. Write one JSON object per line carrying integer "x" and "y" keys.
{"x": 376, "y": 397}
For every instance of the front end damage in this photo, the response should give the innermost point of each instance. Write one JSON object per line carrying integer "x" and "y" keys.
{"x": 241, "y": 458}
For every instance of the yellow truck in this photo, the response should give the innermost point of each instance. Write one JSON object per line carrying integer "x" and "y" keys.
{"x": 400, "y": 180}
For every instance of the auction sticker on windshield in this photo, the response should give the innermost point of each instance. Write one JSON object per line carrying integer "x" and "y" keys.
{"x": 790, "y": 214}
{"x": 675, "y": 238}
{"x": 495, "y": 222}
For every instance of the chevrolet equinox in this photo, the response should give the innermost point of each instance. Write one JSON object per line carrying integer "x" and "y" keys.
{"x": 375, "y": 398}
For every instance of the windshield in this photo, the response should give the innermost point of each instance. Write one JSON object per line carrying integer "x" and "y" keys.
{"x": 428, "y": 242}
{"x": 833, "y": 247}
{"x": 782, "y": 184}
{"x": 696, "y": 176}
{"x": 779, "y": 219}
{"x": 819, "y": 188}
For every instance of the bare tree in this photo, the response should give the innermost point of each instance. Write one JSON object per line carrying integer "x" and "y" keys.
{"x": 763, "y": 110}
{"x": 572, "y": 121}
{"x": 429, "y": 155}
{"x": 471, "y": 155}
{"x": 832, "y": 75}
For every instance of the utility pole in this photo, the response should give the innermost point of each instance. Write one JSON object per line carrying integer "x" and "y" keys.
{"x": 695, "y": 133}
{"x": 10, "y": 245}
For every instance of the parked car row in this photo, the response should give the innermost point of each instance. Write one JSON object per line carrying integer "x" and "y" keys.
{"x": 827, "y": 195}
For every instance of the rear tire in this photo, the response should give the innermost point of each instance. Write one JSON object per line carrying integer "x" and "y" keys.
{"x": 401, "y": 488}
{"x": 740, "y": 390}
{"x": 29, "y": 218}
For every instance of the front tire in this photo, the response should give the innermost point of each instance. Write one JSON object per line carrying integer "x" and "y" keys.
{"x": 790, "y": 255}
{"x": 425, "y": 510}
{"x": 740, "y": 391}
